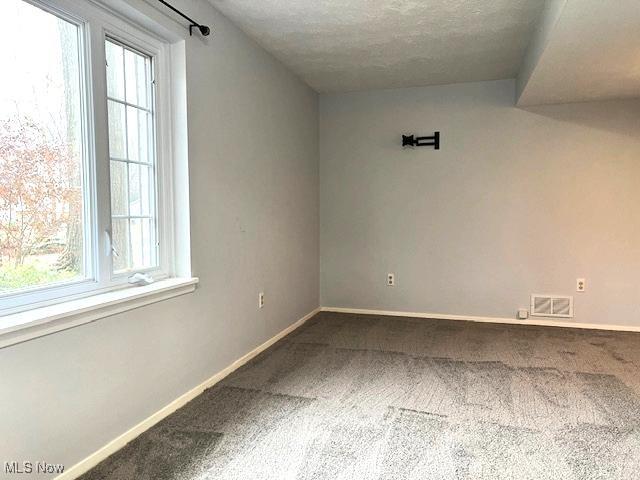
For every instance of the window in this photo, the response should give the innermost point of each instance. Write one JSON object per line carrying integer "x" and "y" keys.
{"x": 131, "y": 151}
{"x": 42, "y": 201}
{"x": 84, "y": 189}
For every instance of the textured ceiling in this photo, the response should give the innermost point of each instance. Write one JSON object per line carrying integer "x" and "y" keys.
{"x": 344, "y": 45}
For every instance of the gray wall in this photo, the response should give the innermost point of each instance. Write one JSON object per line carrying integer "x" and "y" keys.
{"x": 516, "y": 202}
{"x": 255, "y": 214}
{"x": 550, "y": 16}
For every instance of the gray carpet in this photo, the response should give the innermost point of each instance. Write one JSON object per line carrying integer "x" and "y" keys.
{"x": 366, "y": 397}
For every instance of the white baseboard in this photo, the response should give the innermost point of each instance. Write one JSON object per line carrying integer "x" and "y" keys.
{"x": 471, "y": 318}
{"x": 116, "y": 444}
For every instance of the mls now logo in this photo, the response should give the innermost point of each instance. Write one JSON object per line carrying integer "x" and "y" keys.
{"x": 32, "y": 467}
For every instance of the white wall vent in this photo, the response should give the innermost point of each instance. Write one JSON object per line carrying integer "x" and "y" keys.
{"x": 551, "y": 306}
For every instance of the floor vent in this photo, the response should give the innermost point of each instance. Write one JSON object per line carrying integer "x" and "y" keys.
{"x": 551, "y": 306}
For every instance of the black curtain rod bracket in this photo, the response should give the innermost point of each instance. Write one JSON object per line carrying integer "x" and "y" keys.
{"x": 204, "y": 30}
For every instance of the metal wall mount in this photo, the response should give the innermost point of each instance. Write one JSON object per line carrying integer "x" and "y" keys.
{"x": 413, "y": 141}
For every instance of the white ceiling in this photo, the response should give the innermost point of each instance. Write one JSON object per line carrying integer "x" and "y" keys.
{"x": 342, "y": 45}
{"x": 560, "y": 50}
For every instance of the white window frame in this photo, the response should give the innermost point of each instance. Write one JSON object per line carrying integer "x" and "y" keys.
{"x": 156, "y": 165}
{"x": 96, "y": 24}
{"x": 163, "y": 194}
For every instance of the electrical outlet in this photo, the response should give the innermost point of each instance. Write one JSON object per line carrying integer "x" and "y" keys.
{"x": 523, "y": 314}
{"x": 261, "y": 300}
{"x": 581, "y": 285}
{"x": 391, "y": 279}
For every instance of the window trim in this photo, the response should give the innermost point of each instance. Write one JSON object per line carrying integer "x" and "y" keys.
{"x": 97, "y": 23}
{"x": 27, "y": 325}
{"x": 164, "y": 196}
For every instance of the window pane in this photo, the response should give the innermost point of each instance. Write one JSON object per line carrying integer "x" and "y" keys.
{"x": 148, "y": 240}
{"x": 134, "y": 189}
{"x": 119, "y": 188}
{"x": 139, "y": 135}
{"x": 137, "y": 78}
{"x": 146, "y": 192}
{"x": 132, "y": 167}
{"x": 142, "y": 252}
{"x": 117, "y": 132}
{"x": 115, "y": 70}
{"x": 120, "y": 237}
{"x": 41, "y": 149}
{"x": 136, "y": 243}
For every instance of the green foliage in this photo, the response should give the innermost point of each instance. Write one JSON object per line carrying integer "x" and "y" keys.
{"x": 12, "y": 277}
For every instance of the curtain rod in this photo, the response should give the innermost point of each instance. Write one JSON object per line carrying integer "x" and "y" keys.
{"x": 204, "y": 30}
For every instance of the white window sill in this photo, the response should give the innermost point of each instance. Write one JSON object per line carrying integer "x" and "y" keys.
{"x": 23, "y": 326}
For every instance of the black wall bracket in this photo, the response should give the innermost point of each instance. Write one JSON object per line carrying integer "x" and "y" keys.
{"x": 413, "y": 141}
